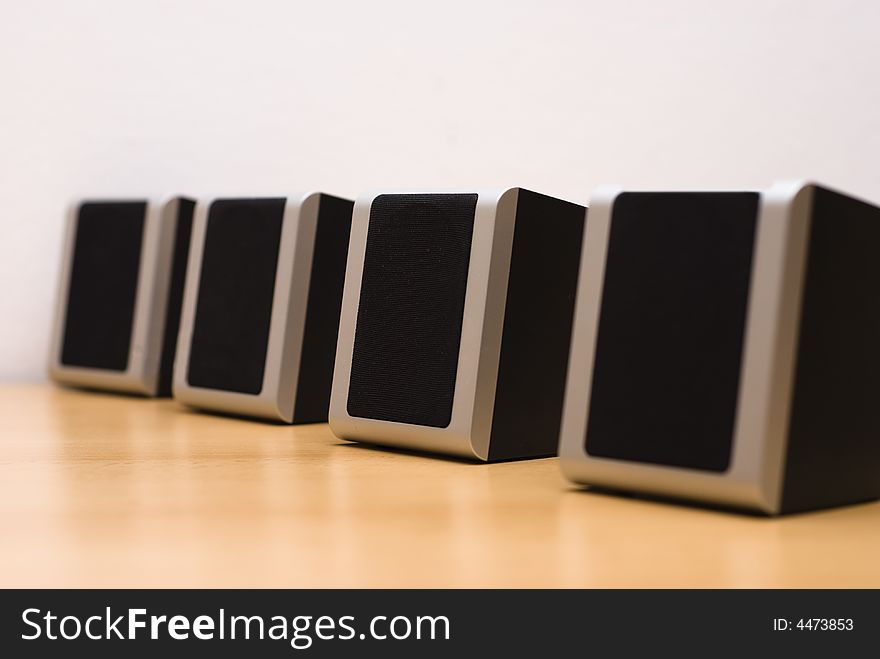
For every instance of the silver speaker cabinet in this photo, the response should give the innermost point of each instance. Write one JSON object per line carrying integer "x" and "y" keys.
{"x": 118, "y": 306}
{"x": 725, "y": 348}
{"x": 261, "y": 306}
{"x": 456, "y": 321}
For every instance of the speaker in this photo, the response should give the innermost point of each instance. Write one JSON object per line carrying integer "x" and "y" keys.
{"x": 261, "y": 306}
{"x": 118, "y": 306}
{"x": 726, "y": 348}
{"x": 456, "y": 320}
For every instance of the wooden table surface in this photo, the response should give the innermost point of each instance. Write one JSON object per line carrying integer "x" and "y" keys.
{"x": 104, "y": 490}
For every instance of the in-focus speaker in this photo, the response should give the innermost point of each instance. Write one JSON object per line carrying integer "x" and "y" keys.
{"x": 118, "y": 306}
{"x": 261, "y": 306}
{"x": 725, "y": 348}
{"x": 456, "y": 322}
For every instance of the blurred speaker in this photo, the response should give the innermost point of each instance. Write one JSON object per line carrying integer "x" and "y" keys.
{"x": 118, "y": 307}
{"x": 726, "y": 348}
{"x": 261, "y": 307}
{"x": 456, "y": 322}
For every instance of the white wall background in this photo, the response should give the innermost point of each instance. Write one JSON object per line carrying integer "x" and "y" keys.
{"x": 151, "y": 98}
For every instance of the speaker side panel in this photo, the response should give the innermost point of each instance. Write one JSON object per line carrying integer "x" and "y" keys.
{"x": 322, "y": 313}
{"x": 182, "y": 235}
{"x": 538, "y": 316}
{"x": 833, "y": 455}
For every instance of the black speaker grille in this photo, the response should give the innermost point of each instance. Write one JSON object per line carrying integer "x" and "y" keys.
{"x": 237, "y": 283}
{"x": 669, "y": 347}
{"x": 411, "y": 308}
{"x": 103, "y": 285}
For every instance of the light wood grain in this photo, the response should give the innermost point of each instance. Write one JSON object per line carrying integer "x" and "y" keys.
{"x": 103, "y": 490}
